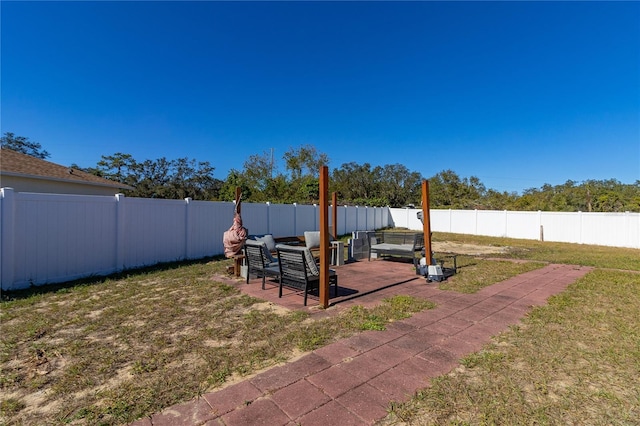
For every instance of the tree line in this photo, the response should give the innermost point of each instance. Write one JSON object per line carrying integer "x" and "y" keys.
{"x": 261, "y": 180}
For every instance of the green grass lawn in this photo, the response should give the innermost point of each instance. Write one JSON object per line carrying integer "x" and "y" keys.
{"x": 572, "y": 254}
{"x": 574, "y": 361}
{"x": 111, "y": 350}
{"x": 117, "y": 349}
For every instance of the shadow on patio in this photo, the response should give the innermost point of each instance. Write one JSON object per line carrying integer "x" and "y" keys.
{"x": 363, "y": 282}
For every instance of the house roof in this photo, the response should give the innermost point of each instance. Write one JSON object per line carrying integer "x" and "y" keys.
{"x": 14, "y": 163}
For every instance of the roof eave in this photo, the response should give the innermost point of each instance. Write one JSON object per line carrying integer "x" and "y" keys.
{"x": 80, "y": 182}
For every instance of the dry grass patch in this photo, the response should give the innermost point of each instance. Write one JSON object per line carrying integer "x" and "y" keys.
{"x": 544, "y": 251}
{"x": 475, "y": 273}
{"x": 575, "y": 361}
{"x": 114, "y": 350}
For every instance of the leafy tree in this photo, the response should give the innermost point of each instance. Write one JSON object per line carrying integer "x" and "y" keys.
{"x": 153, "y": 178}
{"x": 447, "y": 190}
{"x": 303, "y": 167}
{"x": 304, "y": 159}
{"x": 119, "y": 167}
{"x": 306, "y": 190}
{"x": 202, "y": 183}
{"x": 280, "y": 190}
{"x": 494, "y": 200}
{"x": 161, "y": 178}
{"x": 399, "y": 186}
{"x": 356, "y": 183}
{"x": 264, "y": 182}
{"x": 235, "y": 179}
{"x": 591, "y": 195}
{"x": 23, "y": 145}
{"x": 258, "y": 171}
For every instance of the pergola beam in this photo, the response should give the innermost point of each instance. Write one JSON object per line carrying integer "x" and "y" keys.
{"x": 334, "y": 214}
{"x": 426, "y": 221}
{"x": 324, "y": 237}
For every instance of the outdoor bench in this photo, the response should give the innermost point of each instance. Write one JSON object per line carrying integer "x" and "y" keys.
{"x": 399, "y": 244}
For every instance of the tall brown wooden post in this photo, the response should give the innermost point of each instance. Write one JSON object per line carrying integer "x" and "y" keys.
{"x": 334, "y": 214}
{"x": 238, "y": 195}
{"x": 426, "y": 221}
{"x": 324, "y": 237}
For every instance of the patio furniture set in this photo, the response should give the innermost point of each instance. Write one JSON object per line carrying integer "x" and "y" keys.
{"x": 294, "y": 265}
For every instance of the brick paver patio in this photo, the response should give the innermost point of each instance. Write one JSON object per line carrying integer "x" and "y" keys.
{"x": 352, "y": 381}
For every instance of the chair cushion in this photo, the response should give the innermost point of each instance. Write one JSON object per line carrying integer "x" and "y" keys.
{"x": 312, "y": 268}
{"x": 268, "y": 240}
{"x": 269, "y": 245}
{"x": 311, "y": 263}
{"x": 312, "y": 239}
{"x": 272, "y": 269}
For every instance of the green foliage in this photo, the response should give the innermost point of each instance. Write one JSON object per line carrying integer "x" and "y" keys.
{"x": 389, "y": 185}
{"x": 234, "y": 179}
{"x": 447, "y": 190}
{"x": 589, "y": 196}
{"x": 355, "y": 184}
{"x": 304, "y": 159}
{"x": 23, "y": 145}
{"x": 161, "y": 178}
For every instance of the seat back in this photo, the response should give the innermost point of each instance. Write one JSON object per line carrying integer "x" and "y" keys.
{"x": 297, "y": 265}
{"x": 390, "y": 237}
{"x": 270, "y": 245}
{"x": 254, "y": 252}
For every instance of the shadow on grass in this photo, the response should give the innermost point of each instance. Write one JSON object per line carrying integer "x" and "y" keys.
{"x": 35, "y": 290}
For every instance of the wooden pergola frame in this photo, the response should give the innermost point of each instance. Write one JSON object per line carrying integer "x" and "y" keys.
{"x": 426, "y": 222}
{"x": 324, "y": 236}
{"x": 324, "y": 230}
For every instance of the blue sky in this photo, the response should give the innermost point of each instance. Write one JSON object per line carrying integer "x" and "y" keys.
{"x": 518, "y": 94}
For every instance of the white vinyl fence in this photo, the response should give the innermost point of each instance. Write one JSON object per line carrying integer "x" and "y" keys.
{"x": 605, "y": 229}
{"x": 49, "y": 238}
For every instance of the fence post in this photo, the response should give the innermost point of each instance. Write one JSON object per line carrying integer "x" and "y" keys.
{"x": 187, "y": 227}
{"x": 120, "y": 232}
{"x": 580, "y": 231}
{"x": 268, "y": 203}
{"x": 627, "y": 225}
{"x": 315, "y": 218}
{"x": 375, "y": 216}
{"x": 540, "y": 225}
{"x": 366, "y": 218}
{"x": 475, "y": 230}
{"x": 7, "y": 237}
{"x": 357, "y": 227}
{"x": 506, "y": 230}
{"x": 346, "y": 217}
{"x": 637, "y": 243}
{"x": 295, "y": 219}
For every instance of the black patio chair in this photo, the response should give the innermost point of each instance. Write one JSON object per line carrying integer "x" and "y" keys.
{"x": 298, "y": 270}
{"x": 259, "y": 262}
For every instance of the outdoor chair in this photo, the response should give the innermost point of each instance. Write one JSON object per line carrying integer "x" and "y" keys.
{"x": 298, "y": 270}
{"x": 259, "y": 261}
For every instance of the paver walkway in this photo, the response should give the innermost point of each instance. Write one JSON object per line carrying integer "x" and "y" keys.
{"x": 352, "y": 381}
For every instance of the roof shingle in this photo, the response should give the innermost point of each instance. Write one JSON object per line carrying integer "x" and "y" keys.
{"x": 14, "y": 163}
